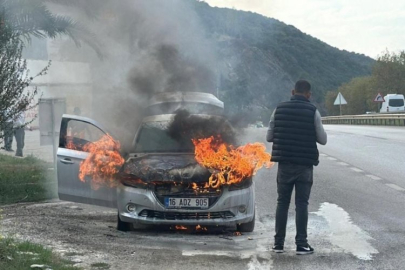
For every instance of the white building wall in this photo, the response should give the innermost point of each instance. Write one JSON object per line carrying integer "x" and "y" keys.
{"x": 69, "y": 80}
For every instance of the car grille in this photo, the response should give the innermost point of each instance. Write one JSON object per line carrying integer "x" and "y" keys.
{"x": 186, "y": 216}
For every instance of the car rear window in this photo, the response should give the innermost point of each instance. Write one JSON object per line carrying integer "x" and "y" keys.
{"x": 396, "y": 102}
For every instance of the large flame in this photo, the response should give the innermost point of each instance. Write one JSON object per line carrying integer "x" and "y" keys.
{"x": 103, "y": 162}
{"x": 70, "y": 144}
{"x": 230, "y": 165}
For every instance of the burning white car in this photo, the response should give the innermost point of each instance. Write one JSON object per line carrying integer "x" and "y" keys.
{"x": 173, "y": 175}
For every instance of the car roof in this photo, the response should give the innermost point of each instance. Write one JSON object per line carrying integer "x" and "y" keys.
{"x": 192, "y": 97}
{"x": 395, "y": 95}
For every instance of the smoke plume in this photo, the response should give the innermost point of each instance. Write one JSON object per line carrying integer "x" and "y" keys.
{"x": 175, "y": 71}
{"x": 185, "y": 125}
{"x": 149, "y": 46}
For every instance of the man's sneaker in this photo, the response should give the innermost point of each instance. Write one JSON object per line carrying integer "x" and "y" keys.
{"x": 278, "y": 248}
{"x": 303, "y": 250}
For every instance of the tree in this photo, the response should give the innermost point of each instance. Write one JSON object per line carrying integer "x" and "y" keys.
{"x": 388, "y": 77}
{"x": 14, "y": 77}
{"x": 329, "y": 100}
{"x": 19, "y": 20}
{"x": 359, "y": 94}
{"x": 28, "y": 18}
{"x": 389, "y": 73}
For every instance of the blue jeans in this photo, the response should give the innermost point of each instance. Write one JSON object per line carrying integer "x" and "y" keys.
{"x": 290, "y": 176}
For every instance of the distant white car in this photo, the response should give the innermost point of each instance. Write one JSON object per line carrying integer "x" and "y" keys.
{"x": 259, "y": 124}
{"x": 393, "y": 103}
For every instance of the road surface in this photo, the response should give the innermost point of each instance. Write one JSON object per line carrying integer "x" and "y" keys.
{"x": 357, "y": 218}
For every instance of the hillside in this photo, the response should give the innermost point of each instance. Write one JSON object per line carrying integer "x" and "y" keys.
{"x": 153, "y": 46}
{"x": 260, "y": 59}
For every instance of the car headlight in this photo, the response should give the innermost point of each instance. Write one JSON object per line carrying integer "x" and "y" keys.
{"x": 246, "y": 183}
{"x": 133, "y": 181}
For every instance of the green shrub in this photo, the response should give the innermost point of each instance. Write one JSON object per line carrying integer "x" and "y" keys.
{"x": 25, "y": 180}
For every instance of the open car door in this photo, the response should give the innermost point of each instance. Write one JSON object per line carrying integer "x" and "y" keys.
{"x": 75, "y": 132}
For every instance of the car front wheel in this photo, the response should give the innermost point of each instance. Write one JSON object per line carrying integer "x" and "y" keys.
{"x": 247, "y": 227}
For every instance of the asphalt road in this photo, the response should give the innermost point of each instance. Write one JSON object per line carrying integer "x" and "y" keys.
{"x": 357, "y": 218}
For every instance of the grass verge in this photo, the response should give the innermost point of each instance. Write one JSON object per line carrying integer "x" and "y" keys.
{"x": 25, "y": 180}
{"x": 16, "y": 256}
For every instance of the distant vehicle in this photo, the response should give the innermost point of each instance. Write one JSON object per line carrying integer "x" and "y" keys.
{"x": 259, "y": 124}
{"x": 393, "y": 103}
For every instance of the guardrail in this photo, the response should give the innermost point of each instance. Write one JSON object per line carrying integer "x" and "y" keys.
{"x": 366, "y": 119}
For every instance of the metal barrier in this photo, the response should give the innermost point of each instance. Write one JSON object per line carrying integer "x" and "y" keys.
{"x": 366, "y": 119}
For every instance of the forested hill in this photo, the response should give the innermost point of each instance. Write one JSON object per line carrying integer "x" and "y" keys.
{"x": 260, "y": 59}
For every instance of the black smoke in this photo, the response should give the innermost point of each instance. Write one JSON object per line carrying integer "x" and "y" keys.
{"x": 168, "y": 70}
{"x": 193, "y": 126}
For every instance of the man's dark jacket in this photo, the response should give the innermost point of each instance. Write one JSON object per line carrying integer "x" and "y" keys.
{"x": 294, "y": 132}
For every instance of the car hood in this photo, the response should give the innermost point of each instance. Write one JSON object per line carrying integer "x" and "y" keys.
{"x": 166, "y": 168}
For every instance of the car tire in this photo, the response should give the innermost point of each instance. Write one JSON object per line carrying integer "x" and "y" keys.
{"x": 247, "y": 227}
{"x": 140, "y": 227}
{"x": 123, "y": 226}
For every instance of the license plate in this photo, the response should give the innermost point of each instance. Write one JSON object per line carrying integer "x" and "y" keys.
{"x": 186, "y": 202}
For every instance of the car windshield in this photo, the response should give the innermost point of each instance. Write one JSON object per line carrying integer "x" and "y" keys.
{"x": 396, "y": 102}
{"x": 154, "y": 138}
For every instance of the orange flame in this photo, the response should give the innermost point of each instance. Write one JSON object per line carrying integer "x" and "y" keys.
{"x": 103, "y": 162}
{"x": 180, "y": 227}
{"x": 70, "y": 145}
{"x": 230, "y": 165}
{"x": 199, "y": 228}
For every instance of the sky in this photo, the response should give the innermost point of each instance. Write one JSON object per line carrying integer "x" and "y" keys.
{"x": 363, "y": 26}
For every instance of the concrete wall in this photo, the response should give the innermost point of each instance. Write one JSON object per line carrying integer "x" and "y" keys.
{"x": 69, "y": 80}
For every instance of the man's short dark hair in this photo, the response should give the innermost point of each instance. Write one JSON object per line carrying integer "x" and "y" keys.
{"x": 302, "y": 86}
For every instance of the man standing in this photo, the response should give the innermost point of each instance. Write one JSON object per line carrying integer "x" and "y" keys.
{"x": 295, "y": 127}
{"x": 19, "y": 133}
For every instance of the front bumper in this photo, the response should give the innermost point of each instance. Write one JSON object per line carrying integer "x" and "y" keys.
{"x": 224, "y": 212}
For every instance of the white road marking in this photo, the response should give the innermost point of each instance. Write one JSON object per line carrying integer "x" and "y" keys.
{"x": 331, "y": 158}
{"x": 395, "y": 187}
{"x": 323, "y": 155}
{"x": 346, "y": 235}
{"x": 373, "y": 177}
{"x": 342, "y": 163}
{"x": 263, "y": 251}
{"x": 356, "y": 169}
